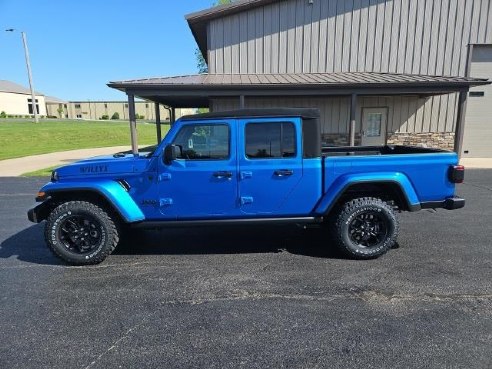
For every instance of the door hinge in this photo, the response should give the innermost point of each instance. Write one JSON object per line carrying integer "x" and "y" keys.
{"x": 164, "y": 177}
{"x": 245, "y": 175}
{"x": 246, "y": 200}
{"x": 166, "y": 201}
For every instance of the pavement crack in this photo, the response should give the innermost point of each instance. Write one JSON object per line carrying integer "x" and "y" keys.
{"x": 363, "y": 295}
{"x": 126, "y": 334}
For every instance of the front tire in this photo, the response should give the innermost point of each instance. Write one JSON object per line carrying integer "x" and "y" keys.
{"x": 365, "y": 228}
{"x": 81, "y": 233}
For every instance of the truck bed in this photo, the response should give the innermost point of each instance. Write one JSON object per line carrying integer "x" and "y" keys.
{"x": 424, "y": 169}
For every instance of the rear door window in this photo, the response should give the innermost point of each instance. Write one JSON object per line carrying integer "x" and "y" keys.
{"x": 270, "y": 140}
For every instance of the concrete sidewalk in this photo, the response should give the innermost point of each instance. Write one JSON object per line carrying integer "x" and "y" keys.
{"x": 19, "y": 166}
{"x": 477, "y": 163}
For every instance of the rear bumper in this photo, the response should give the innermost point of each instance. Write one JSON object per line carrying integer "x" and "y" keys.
{"x": 451, "y": 203}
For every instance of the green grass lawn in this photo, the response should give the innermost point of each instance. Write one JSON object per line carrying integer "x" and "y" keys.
{"x": 18, "y": 139}
{"x": 46, "y": 172}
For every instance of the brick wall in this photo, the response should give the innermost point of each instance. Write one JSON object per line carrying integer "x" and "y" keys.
{"x": 443, "y": 141}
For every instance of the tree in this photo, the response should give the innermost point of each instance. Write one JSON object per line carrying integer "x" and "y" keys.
{"x": 60, "y": 111}
{"x": 200, "y": 60}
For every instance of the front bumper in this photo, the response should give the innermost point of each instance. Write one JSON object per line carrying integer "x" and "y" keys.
{"x": 451, "y": 203}
{"x": 39, "y": 213}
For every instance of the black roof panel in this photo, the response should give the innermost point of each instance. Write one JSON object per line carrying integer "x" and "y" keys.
{"x": 305, "y": 113}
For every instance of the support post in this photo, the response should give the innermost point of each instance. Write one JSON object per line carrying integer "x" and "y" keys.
{"x": 173, "y": 116}
{"x": 158, "y": 123}
{"x": 353, "y": 107}
{"x": 133, "y": 124}
{"x": 460, "y": 122}
{"x": 241, "y": 102}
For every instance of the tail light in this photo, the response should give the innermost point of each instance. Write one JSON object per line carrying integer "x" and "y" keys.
{"x": 457, "y": 173}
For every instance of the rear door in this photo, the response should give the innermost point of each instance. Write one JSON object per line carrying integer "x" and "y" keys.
{"x": 270, "y": 165}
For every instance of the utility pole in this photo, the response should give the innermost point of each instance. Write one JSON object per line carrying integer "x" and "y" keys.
{"x": 29, "y": 74}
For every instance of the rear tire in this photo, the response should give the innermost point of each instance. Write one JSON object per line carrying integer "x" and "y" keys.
{"x": 81, "y": 233}
{"x": 365, "y": 228}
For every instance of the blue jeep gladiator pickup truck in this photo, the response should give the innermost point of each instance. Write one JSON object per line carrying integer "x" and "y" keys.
{"x": 245, "y": 166}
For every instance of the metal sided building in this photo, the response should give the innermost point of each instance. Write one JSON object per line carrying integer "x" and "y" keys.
{"x": 381, "y": 71}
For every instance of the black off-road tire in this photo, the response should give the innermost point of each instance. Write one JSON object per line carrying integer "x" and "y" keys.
{"x": 106, "y": 228}
{"x": 344, "y": 224}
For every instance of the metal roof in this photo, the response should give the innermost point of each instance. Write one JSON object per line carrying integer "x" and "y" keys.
{"x": 197, "y": 90}
{"x": 328, "y": 80}
{"x": 14, "y": 88}
{"x": 53, "y": 100}
{"x": 198, "y": 21}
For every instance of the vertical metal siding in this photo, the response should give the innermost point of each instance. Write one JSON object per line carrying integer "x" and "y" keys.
{"x": 403, "y": 36}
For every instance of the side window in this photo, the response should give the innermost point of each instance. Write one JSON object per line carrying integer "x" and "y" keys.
{"x": 203, "y": 142}
{"x": 270, "y": 140}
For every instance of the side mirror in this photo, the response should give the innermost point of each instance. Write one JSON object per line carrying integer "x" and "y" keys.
{"x": 170, "y": 154}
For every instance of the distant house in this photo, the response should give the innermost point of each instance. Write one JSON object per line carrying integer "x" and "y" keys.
{"x": 381, "y": 71}
{"x": 16, "y": 100}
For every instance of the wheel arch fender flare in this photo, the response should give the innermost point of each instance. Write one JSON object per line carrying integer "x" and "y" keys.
{"x": 111, "y": 191}
{"x": 345, "y": 182}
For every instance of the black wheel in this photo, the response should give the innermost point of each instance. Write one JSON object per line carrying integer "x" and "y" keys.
{"x": 365, "y": 228}
{"x": 81, "y": 233}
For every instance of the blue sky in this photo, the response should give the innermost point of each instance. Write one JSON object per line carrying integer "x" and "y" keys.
{"x": 77, "y": 47}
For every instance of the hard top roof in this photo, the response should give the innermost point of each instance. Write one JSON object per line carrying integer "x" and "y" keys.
{"x": 305, "y": 113}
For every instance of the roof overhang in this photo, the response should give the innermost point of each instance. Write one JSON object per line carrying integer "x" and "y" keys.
{"x": 198, "y": 21}
{"x": 197, "y": 90}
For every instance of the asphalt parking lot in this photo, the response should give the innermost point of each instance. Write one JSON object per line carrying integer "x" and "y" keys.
{"x": 252, "y": 298}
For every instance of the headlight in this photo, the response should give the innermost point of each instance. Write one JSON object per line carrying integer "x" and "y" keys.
{"x": 54, "y": 176}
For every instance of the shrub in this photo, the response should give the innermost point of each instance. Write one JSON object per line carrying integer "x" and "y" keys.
{"x": 115, "y": 116}
{"x": 105, "y": 117}
{"x": 3, "y": 115}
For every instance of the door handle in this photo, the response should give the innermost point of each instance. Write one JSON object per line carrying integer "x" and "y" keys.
{"x": 222, "y": 174}
{"x": 283, "y": 172}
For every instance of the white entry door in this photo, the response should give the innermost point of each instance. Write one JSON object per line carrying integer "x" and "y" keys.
{"x": 374, "y": 126}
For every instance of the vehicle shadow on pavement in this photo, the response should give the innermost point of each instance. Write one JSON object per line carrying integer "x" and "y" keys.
{"x": 28, "y": 245}
{"x": 229, "y": 240}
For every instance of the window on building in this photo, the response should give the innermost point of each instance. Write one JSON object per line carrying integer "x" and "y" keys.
{"x": 105, "y": 105}
{"x": 270, "y": 140}
{"x": 126, "y": 105}
{"x": 146, "y": 105}
{"x": 79, "y": 116}
{"x": 203, "y": 142}
{"x": 29, "y": 106}
{"x": 65, "y": 106}
{"x": 477, "y": 93}
{"x": 77, "y": 106}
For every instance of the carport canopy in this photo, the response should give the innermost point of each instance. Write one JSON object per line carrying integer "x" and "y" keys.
{"x": 194, "y": 91}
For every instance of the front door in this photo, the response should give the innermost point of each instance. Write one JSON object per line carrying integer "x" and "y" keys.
{"x": 374, "y": 126}
{"x": 202, "y": 181}
{"x": 270, "y": 166}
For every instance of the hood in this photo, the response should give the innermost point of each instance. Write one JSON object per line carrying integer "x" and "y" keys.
{"x": 107, "y": 165}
